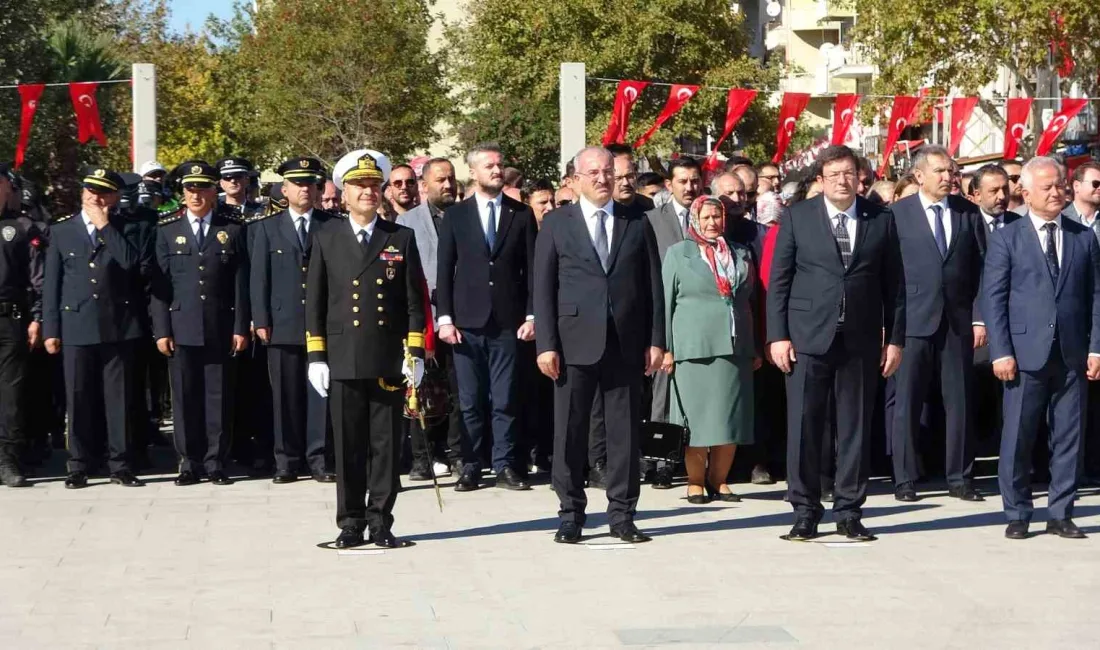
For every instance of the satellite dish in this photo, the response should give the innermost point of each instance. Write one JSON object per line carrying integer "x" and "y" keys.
{"x": 773, "y": 8}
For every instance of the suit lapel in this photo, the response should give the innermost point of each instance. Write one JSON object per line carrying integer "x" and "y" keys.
{"x": 825, "y": 227}
{"x": 579, "y": 230}
{"x": 504, "y": 221}
{"x": 285, "y": 224}
{"x": 377, "y": 242}
{"x": 863, "y": 224}
{"x": 1036, "y": 247}
{"x": 956, "y": 234}
{"x": 618, "y": 229}
{"x": 1066, "y": 263}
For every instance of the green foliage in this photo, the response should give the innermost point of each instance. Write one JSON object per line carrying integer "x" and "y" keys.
{"x": 507, "y": 56}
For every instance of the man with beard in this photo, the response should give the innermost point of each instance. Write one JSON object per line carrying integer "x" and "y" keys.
{"x": 330, "y": 198}
{"x": 1015, "y": 189}
{"x": 403, "y": 189}
{"x": 438, "y": 187}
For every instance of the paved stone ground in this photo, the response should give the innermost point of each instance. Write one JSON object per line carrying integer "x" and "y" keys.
{"x": 239, "y": 567}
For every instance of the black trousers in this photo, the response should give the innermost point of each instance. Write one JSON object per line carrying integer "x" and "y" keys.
{"x": 948, "y": 356}
{"x": 443, "y": 439}
{"x": 98, "y": 387}
{"x": 13, "y": 367}
{"x": 144, "y": 423}
{"x": 202, "y": 405}
{"x": 620, "y": 383}
{"x": 537, "y": 406}
{"x": 300, "y": 413}
{"x": 485, "y": 362}
{"x": 253, "y": 425}
{"x": 770, "y": 418}
{"x": 848, "y": 371}
{"x": 366, "y": 421}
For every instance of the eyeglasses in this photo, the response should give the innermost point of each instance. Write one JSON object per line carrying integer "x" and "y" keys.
{"x": 599, "y": 173}
{"x": 836, "y": 176}
{"x": 1015, "y": 178}
{"x": 770, "y": 177}
{"x": 401, "y": 183}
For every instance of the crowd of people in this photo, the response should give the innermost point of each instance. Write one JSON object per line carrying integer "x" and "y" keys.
{"x": 819, "y": 324}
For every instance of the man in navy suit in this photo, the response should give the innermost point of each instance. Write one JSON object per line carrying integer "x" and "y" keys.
{"x": 941, "y": 254}
{"x": 1042, "y": 307}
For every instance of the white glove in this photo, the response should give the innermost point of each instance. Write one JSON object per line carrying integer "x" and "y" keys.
{"x": 415, "y": 374}
{"x": 318, "y": 377}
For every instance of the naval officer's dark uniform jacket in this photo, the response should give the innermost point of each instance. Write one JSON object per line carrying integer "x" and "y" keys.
{"x": 362, "y": 304}
{"x": 94, "y": 302}
{"x": 200, "y": 300}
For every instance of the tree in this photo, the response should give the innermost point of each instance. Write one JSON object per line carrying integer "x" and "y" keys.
{"x": 507, "y": 56}
{"x": 964, "y": 46}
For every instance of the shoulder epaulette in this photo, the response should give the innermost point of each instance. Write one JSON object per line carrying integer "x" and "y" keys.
{"x": 229, "y": 213}
{"x": 171, "y": 218}
{"x": 259, "y": 216}
{"x": 60, "y": 219}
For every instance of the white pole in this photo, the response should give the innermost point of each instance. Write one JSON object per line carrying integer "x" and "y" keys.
{"x": 571, "y": 102}
{"x": 145, "y": 113}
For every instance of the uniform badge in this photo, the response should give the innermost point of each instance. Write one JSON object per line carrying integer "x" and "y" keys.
{"x": 223, "y": 237}
{"x": 181, "y": 240}
{"x": 8, "y": 233}
{"x": 100, "y": 173}
{"x": 195, "y": 169}
{"x": 391, "y": 273}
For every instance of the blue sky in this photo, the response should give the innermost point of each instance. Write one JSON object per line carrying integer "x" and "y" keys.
{"x": 196, "y": 11}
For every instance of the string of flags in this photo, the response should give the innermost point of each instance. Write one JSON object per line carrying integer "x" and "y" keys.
{"x": 83, "y": 97}
{"x": 904, "y": 111}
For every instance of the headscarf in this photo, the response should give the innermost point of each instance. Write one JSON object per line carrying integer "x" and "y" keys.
{"x": 715, "y": 251}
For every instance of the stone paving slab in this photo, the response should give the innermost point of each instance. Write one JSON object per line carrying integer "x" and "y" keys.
{"x": 239, "y": 567}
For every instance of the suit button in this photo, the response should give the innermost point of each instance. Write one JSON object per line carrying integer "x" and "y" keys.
{"x": 95, "y": 295}
{"x": 203, "y": 297}
{"x": 303, "y": 302}
{"x": 490, "y": 263}
{"x": 201, "y": 253}
{"x": 91, "y": 265}
{"x": 490, "y": 283}
{"x": 355, "y": 323}
{"x": 1052, "y": 325}
{"x": 380, "y": 296}
{"x": 279, "y": 252}
{"x": 381, "y": 309}
{"x": 378, "y": 281}
{"x": 201, "y": 282}
{"x": 355, "y": 309}
{"x": 304, "y": 269}
{"x": 201, "y": 267}
{"x": 94, "y": 281}
{"x": 355, "y": 296}
{"x": 66, "y": 308}
{"x": 303, "y": 286}
{"x": 355, "y": 283}
{"x": 381, "y": 322}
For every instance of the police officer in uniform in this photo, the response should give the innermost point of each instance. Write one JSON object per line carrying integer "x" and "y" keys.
{"x": 21, "y": 271}
{"x": 365, "y": 299}
{"x": 200, "y": 321}
{"x": 280, "y": 251}
{"x": 93, "y": 301}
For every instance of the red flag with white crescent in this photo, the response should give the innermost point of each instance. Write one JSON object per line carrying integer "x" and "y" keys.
{"x": 678, "y": 95}
{"x": 28, "y": 95}
{"x": 1071, "y": 106}
{"x": 844, "y": 113}
{"x": 737, "y": 102}
{"x": 904, "y": 105}
{"x": 1017, "y": 110}
{"x": 792, "y": 106}
{"x": 86, "y": 108}
{"x": 625, "y": 97}
{"x": 961, "y": 110}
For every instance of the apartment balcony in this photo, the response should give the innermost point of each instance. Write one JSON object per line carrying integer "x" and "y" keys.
{"x": 816, "y": 85}
{"x": 817, "y": 15}
{"x": 850, "y": 63}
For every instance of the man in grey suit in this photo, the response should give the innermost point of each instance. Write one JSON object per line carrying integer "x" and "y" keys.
{"x": 439, "y": 190}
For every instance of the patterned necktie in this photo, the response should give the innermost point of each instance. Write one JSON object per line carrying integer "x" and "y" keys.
{"x": 1052, "y": 250}
{"x": 491, "y": 227}
{"x": 200, "y": 236}
{"x": 941, "y": 234}
{"x": 302, "y": 232}
{"x": 602, "y": 249}
{"x": 842, "y": 239}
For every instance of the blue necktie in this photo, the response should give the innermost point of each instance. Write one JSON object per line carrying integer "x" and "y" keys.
{"x": 491, "y": 228}
{"x": 200, "y": 237}
{"x": 941, "y": 234}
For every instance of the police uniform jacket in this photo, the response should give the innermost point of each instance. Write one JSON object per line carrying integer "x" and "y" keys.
{"x": 22, "y": 266}
{"x": 361, "y": 305}
{"x": 279, "y": 267}
{"x": 201, "y": 294}
{"x": 92, "y": 291}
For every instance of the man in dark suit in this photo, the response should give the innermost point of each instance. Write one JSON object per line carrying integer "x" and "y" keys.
{"x": 1042, "y": 306}
{"x": 940, "y": 236}
{"x": 599, "y": 309}
{"x": 483, "y": 298}
{"x": 836, "y": 315}
{"x": 201, "y": 320}
{"x": 281, "y": 245}
{"x": 92, "y": 302}
{"x": 365, "y": 301}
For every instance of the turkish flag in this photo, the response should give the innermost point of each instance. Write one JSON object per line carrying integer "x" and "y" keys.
{"x": 625, "y": 97}
{"x": 737, "y": 103}
{"x": 844, "y": 113}
{"x": 1017, "y": 110}
{"x": 792, "y": 106}
{"x": 88, "y": 125}
{"x": 1071, "y": 106}
{"x": 678, "y": 95}
{"x": 904, "y": 105}
{"x": 28, "y": 95}
{"x": 961, "y": 110}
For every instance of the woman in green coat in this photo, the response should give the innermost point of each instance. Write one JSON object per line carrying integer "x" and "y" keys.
{"x": 712, "y": 347}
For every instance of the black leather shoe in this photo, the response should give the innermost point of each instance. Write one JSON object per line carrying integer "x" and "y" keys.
{"x": 187, "y": 477}
{"x": 804, "y": 529}
{"x": 350, "y": 537}
{"x": 1016, "y": 530}
{"x": 965, "y": 492}
{"x": 717, "y": 495}
{"x": 568, "y": 533}
{"x": 510, "y": 480}
{"x": 597, "y": 476}
{"x": 384, "y": 539}
{"x": 698, "y": 499}
{"x": 420, "y": 472}
{"x": 662, "y": 478}
{"x": 11, "y": 476}
{"x": 218, "y": 477}
{"x": 761, "y": 476}
{"x": 854, "y": 530}
{"x": 629, "y": 533}
{"x": 905, "y": 492}
{"x": 324, "y": 477}
{"x": 126, "y": 478}
{"x": 828, "y": 496}
{"x": 467, "y": 482}
{"x": 76, "y": 480}
{"x": 282, "y": 477}
{"x": 1064, "y": 528}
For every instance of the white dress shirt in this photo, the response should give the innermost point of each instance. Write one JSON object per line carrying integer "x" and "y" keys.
{"x": 369, "y": 229}
{"x": 483, "y": 209}
{"x": 1038, "y": 224}
{"x": 1000, "y": 221}
{"x": 849, "y": 224}
{"x": 194, "y": 221}
{"x": 89, "y": 227}
{"x": 682, "y": 215}
{"x": 294, "y": 217}
{"x": 927, "y": 204}
{"x": 588, "y": 211}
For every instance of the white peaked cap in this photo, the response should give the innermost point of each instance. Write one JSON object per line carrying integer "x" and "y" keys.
{"x": 351, "y": 160}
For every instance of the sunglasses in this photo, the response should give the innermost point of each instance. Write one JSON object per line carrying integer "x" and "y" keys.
{"x": 1095, "y": 184}
{"x": 565, "y": 202}
{"x": 1015, "y": 178}
{"x": 236, "y": 178}
{"x": 401, "y": 183}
